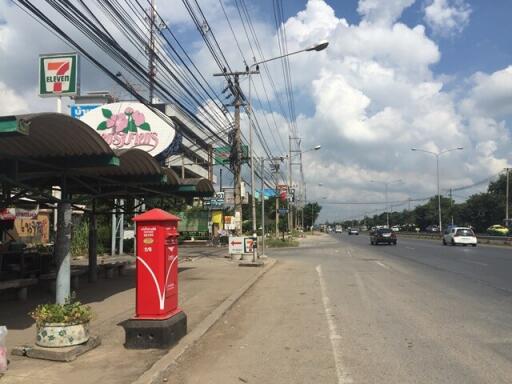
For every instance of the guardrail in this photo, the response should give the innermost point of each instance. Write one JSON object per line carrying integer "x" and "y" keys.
{"x": 482, "y": 239}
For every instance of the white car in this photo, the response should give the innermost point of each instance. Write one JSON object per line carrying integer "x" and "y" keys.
{"x": 353, "y": 231}
{"x": 459, "y": 235}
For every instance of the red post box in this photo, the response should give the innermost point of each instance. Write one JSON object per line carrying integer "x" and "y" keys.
{"x": 157, "y": 264}
{"x": 158, "y": 321}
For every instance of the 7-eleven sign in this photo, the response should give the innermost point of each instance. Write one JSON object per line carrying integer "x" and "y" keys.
{"x": 58, "y": 75}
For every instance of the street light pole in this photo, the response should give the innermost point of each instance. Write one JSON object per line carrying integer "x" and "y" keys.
{"x": 386, "y": 184}
{"x": 317, "y": 48}
{"x": 439, "y": 197}
{"x": 437, "y": 154}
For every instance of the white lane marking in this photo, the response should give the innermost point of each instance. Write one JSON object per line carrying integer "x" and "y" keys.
{"x": 410, "y": 248}
{"x": 349, "y": 252}
{"x": 475, "y": 262}
{"x": 334, "y": 336}
{"x": 382, "y": 264}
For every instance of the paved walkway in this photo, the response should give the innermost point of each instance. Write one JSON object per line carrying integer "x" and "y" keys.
{"x": 205, "y": 282}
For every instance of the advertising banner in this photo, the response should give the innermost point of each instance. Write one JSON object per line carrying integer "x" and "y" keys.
{"x": 58, "y": 75}
{"x": 131, "y": 125}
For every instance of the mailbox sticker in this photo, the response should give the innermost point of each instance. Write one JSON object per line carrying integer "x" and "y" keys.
{"x": 148, "y": 240}
{"x": 159, "y": 292}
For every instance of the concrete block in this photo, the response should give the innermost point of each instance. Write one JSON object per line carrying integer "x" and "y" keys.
{"x": 161, "y": 334}
{"x": 250, "y": 263}
{"x": 65, "y": 354}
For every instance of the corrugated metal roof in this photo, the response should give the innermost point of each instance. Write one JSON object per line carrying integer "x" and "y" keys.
{"x": 54, "y": 135}
{"x": 132, "y": 162}
{"x": 172, "y": 177}
{"x": 200, "y": 184}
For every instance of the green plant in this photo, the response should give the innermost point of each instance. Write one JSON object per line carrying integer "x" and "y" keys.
{"x": 71, "y": 312}
{"x": 80, "y": 239}
{"x": 279, "y": 243}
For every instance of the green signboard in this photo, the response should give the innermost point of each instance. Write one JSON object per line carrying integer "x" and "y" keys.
{"x": 221, "y": 154}
{"x": 58, "y": 74}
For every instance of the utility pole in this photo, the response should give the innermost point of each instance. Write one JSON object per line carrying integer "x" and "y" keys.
{"x": 151, "y": 52}
{"x": 507, "y": 194}
{"x": 290, "y": 215}
{"x": 237, "y": 143}
{"x": 451, "y": 209}
{"x": 238, "y": 167}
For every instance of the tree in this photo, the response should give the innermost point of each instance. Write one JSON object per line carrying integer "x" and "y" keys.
{"x": 311, "y": 212}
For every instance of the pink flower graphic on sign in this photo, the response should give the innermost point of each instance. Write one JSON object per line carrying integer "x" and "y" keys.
{"x": 128, "y": 121}
{"x": 138, "y": 118}
{"x": 117, "y": 122}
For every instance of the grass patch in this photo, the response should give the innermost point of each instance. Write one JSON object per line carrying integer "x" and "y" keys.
{"x": 280, "y": 243}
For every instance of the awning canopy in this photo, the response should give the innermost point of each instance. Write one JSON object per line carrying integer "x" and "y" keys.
{"x": 56, "y": 139}
{"x": 38, "y": 150}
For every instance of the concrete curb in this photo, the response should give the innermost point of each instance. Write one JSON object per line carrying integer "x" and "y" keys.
{"x": 162, "y": 368}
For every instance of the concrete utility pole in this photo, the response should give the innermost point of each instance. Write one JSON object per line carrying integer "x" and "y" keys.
{"x": 289, "y": 195}
{"x": 507, "y": 194}
{"x": 238, "y": 167}
{"x": 151, "y": 52}
{"x": 237, "y": 171}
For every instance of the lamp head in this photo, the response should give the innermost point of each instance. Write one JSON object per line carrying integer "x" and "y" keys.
{"x": 318, "y": 47}
{"x": 317, "y": 147}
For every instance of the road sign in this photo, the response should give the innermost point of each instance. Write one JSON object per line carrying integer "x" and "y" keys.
{"x": 283, "y": 211}
{"x": 213, "y": 202}
{"x": 236, "y": 245}
{"x": 249, "y": 244}
{"x": 221, "y": 154}
{"x": 78, "y": 110}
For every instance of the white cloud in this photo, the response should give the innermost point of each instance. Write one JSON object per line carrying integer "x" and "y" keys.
{"x": 382, "y": 12}
{"x": 447, "y": 17}
{"x": 12, "y": 103}
{"x": 490, "y": 95}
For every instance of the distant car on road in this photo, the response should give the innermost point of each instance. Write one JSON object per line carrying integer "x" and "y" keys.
{"x": 459, "y": 235}
{"x": 382, "y": 235}
{"x": 395, "y": 228}
{"x": 498, "y": 230}
{"x": 432, "y": 228}
{"x": 353, "y": 231}
{"x": 338, "y": 229}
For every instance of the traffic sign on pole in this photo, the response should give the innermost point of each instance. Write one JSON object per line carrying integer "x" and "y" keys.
{"x": 236, "y": 245}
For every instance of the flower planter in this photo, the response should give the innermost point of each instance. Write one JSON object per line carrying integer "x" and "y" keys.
{"x": 54, "y": 335}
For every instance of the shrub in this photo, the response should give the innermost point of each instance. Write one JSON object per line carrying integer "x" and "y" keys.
{"x": 70, "y": 313}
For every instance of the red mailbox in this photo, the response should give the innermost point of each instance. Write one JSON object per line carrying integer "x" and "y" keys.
{"x": 157, "y": 265}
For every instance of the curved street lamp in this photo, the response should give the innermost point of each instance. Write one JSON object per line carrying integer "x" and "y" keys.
{"x": 437, "y": 154}
{"x": 316, "y": 47}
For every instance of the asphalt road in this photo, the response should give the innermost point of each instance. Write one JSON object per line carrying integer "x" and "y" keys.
{"x": 339, "y": 310}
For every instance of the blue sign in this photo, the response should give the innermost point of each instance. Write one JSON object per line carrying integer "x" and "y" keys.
{"x": 283, "y": 211}
{"x": 78, "y": 110}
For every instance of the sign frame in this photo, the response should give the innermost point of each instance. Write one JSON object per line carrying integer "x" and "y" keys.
{"x": 74, "y": 76}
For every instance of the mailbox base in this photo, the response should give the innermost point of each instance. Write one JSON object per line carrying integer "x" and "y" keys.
{"x": 160, "y": 334}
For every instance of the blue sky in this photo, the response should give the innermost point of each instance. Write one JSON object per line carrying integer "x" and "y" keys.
{"x": 383, "y": 86}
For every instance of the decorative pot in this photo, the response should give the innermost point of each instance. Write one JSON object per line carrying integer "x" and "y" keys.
{"x": 54, "y": 335}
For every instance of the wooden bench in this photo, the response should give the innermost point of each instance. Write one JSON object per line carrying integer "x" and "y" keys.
{"x": 75, "y": 278}
{"x": 110, "y": 267}
{"x": 20, "y": 284}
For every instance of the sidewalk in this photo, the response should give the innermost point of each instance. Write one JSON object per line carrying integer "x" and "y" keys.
{"x": 205, "y": 282}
